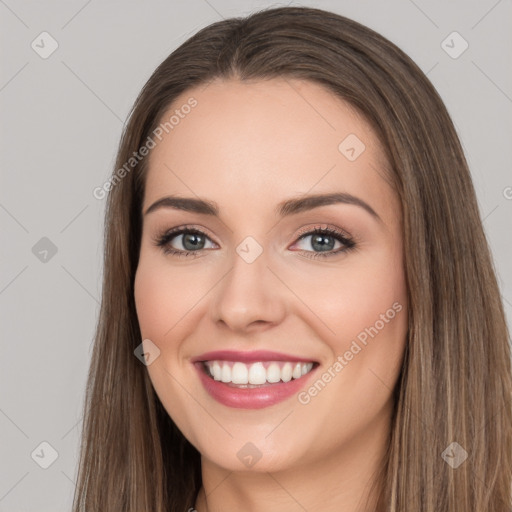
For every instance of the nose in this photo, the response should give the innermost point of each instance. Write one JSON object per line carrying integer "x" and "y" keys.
{"x": 249, "y": 297}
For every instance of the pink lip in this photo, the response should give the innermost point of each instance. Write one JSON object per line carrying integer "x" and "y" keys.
{"x": 250, "y": 398}
{"x": 249, "y": 357}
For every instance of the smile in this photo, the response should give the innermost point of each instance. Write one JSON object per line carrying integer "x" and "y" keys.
{"x": 252, "y": 380}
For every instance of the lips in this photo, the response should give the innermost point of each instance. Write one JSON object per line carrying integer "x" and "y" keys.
{"x": 252, "y": 380}
{"x": 249, "y": 357}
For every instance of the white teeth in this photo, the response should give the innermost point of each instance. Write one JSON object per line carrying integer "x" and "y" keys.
{"x": 256, "y": 373}
{"x": 225, "y": 375}
{"x": 273, "y": 373}
{"x": 217, "y": 370}
{"x": 286, "y": 372}
{"x": 239, "y": 374}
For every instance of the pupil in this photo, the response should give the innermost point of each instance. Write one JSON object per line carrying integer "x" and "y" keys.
{"x": 322, "y": 244}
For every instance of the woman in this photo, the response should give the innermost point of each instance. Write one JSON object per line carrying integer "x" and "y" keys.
{"x": 299, "y": 306}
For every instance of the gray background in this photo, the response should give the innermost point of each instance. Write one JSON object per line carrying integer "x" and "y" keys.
{"x": 61, "y": 119}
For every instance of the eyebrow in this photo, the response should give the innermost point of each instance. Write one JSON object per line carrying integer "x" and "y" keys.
{"x": 285, "y": 208}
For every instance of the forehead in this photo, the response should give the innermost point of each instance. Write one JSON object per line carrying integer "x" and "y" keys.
{"x": 264, "y": 139}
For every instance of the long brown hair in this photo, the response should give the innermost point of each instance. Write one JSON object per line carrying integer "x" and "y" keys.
{"x": 456, "y": 381}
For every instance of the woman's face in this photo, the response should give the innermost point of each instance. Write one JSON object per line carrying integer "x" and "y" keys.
{"x": 315, "y": 321}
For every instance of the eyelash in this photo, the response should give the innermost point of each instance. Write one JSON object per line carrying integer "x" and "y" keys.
{"x": 163, "y": 240}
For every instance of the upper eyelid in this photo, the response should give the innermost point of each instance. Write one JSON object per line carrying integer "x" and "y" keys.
{"x": 324, "y": 227}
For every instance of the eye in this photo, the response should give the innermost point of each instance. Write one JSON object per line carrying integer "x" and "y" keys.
{"x": 324, "y": 240}
{"x": 191, "y": 240}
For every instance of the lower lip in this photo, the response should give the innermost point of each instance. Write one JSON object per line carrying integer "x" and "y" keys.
{"x": 251, "y": 398}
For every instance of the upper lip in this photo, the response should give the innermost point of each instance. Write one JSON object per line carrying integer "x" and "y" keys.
{"x": 249, "y": 357}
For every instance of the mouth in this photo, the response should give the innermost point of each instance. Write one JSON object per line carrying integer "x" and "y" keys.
{"x": 252, "y": 380}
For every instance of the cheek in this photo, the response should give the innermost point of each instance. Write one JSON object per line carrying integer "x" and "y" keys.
{"x": 160, "y": 306}
{"x": 156, "y": 300}
{"x": 370, "y": 320}
{"x": 370, "y": 299}
{"x": 350, "y": 300}
{"x": 367, "y": 310}
{"x": 162, "y": 296}
{"x": 147, "y": 298}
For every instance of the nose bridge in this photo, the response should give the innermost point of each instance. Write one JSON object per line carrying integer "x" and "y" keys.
{"x": 246, "y": 294}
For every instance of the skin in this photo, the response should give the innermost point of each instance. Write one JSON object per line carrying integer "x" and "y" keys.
{"x": 248, "y": 146}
